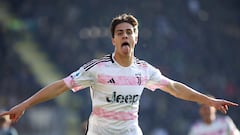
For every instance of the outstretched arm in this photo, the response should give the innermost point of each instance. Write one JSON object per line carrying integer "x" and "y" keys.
{"x": 182, "y": 91}
{"x": 46, "y": 93}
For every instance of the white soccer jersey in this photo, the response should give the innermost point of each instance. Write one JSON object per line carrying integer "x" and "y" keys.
{"x": 115, "y": 93}
{"x": 220, "y": 126}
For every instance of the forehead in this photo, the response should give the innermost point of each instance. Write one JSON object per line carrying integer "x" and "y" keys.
{"x": 123, "y": 26}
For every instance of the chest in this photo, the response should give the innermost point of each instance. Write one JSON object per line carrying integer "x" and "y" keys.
{"x": 120, "y": 84}
{"x": 114, "y": 76}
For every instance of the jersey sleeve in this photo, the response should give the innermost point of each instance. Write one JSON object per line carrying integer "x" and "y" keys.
{"x": 79, "y": 80}
{"x": 233, "y": 130}
{"x": 156, "y": 80}
{"x": 192, "y": 131}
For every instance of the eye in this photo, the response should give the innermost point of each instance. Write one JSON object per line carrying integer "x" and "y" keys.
{"x": 119, "y": 33}
{"x": 129, "y": 32}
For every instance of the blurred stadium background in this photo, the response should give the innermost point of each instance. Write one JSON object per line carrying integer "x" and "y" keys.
{"x": 192, "y": 41}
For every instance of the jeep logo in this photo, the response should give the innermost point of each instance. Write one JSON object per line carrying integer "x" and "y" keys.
{"x": 128, "y": 99}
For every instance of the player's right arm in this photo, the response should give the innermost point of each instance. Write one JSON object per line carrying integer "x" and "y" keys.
{"x": 49, "y": 92}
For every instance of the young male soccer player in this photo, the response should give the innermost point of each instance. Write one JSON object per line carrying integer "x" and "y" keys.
{"x": 116, "y": 83}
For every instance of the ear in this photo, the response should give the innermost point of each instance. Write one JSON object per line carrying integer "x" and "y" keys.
{"x": 113, "y": 42}
{"x": 136, "y": 39}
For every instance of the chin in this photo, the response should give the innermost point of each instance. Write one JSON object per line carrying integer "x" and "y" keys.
{"x": 126, "y": 53}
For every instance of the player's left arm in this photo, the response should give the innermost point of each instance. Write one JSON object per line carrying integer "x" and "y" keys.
{"x": 185, "y": 92}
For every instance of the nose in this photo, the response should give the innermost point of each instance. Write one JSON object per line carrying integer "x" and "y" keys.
{"x": 125, "y": 35}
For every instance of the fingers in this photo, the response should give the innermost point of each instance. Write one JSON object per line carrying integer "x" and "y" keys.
{"x": 14, "y": 119}
{"x": 223, "y": 109}
{"x": 16, "y": 116}
{"x": 13, "y": 115}
{"x": 4, "y": 113}
{"x": 231, "y": 103}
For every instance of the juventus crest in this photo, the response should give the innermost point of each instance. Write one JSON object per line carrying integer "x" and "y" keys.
{"x": 139, "y": 76}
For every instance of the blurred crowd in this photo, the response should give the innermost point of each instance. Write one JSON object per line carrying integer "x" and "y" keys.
{"x": 192, "y": 41}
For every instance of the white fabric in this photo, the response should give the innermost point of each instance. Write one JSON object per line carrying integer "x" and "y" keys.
{"x": 115, "y": 93}
{"x": 220, "y": 126}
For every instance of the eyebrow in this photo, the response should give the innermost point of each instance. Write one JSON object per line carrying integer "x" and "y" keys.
{"x": 120, "y": 30}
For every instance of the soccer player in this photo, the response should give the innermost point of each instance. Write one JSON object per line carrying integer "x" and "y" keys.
{"x": 116, "y": 83}
{"x": 213, "y": 124}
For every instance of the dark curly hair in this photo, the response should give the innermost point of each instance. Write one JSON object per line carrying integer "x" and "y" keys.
{"x": 128, "y": 18}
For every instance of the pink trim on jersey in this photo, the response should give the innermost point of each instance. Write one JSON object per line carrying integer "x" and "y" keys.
{"x": 121, "y": 115}
{"x": 121, "y": 80}
{"x": 217, "y": 132}
{"x": 71, "y": 84}
{"x": 164, "y": 81}
{"x": 158, "y": 85}
{"x": 100, "y": 64}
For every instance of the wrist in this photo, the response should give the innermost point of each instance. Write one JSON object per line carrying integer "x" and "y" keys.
{"x": 25, "y": 105}
{"x": 211, "y": 101}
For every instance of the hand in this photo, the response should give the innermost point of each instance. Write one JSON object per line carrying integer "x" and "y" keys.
{"x": 222, "y": 105}
{"x": 15, "y": 113}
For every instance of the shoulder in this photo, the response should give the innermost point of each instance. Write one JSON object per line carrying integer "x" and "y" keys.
{"x": 141, "y": 63}
{"x": 146, "y": 66}
{"x": 105, "y": 59}
{"x": 197, "y": 124}
{"x": 224, "y": 119}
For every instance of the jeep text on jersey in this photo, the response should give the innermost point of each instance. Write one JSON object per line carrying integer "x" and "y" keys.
{"x": 128, "y": 99}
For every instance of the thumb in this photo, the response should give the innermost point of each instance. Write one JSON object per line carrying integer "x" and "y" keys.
{"x": 4, "y": 113}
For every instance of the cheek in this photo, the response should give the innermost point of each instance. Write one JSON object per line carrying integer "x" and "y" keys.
{"x": 136, "y": 39}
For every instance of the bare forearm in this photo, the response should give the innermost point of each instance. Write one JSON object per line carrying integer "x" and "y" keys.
{"x": 187, "y": 93}
{"x": 49, "y": 92}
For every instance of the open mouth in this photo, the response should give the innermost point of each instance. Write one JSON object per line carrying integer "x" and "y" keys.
{"x": 125, "y": 44}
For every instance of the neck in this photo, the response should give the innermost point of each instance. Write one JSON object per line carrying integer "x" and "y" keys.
{"x": 125, "y": 60}
{"x": 209, "y": 120}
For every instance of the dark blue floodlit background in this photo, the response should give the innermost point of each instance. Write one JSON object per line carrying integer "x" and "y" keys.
{"x": 196, "y": 42}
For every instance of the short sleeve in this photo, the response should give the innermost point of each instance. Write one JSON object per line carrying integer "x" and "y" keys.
{"x": 79, "y": 79}
{"x": 156, "y": 79}
{"x": 192, "y": 131}
{"x": 232, "y": 127}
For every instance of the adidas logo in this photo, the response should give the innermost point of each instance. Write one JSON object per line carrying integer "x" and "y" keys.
{"x": 111, "y": 81}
